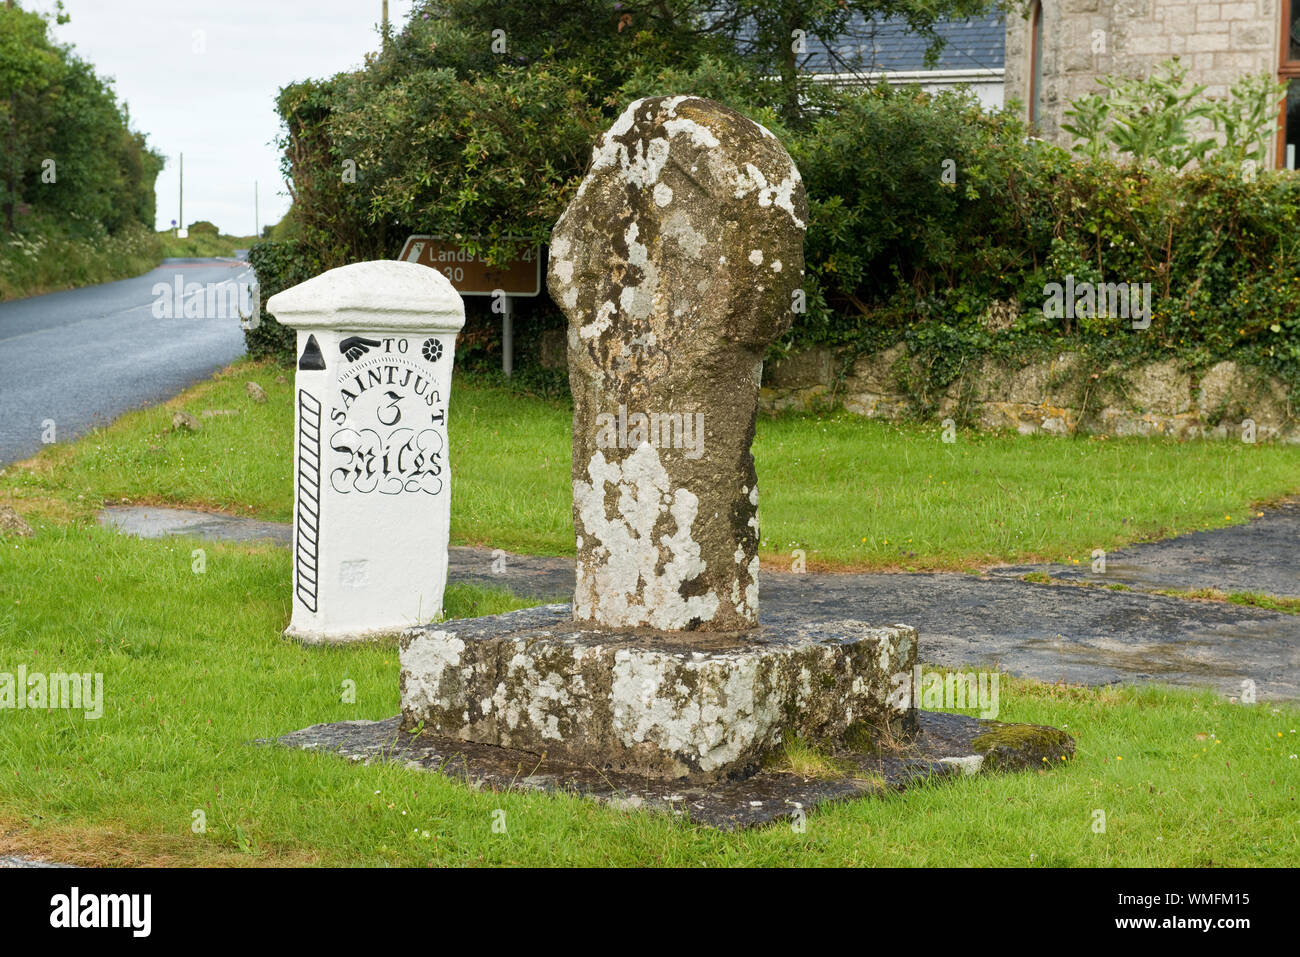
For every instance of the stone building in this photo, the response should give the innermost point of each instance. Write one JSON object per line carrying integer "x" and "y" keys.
{"x": 1057, "y": 49}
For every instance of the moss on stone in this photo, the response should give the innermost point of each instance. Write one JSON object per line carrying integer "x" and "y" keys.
{"x": 807, "y": 760}
{"x": 860, "y": 736}
{"x": 1019, "y": 736}
{"x": 1022, "y": 745}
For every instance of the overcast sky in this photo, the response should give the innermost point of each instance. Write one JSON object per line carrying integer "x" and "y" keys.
{"x": 218, "y": 106}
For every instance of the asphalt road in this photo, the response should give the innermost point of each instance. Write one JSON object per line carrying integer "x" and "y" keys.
{"x": 82, "y": 358}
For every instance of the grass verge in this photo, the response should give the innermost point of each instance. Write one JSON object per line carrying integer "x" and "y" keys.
{"x": 47, "y": 257}
{"x": 202, "y": 245}
{"x": 846, "y": 492}
{"x": 194, "y": 668}
{"x": 194, "y": 671}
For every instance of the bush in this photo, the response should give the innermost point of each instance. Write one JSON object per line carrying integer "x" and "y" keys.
{"x": 278, "y": 266}
{"x": 926, "y": 212}
{"x": 913, "y": 192}
{"x": 899, "y": 251}
{"x": 67, "y": 138}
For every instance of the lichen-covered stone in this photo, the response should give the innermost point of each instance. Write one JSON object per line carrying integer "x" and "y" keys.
{"x": 652, "y": 703}
{"x": 1057, "y": 394}
{"x": 11, "y": 523}
{"x": 675, "y": 264}
{"x": 1008, "y": 746}
{"x": 940, "y": 749}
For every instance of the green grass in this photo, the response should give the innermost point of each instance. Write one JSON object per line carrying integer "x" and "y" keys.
{"x": 202, "y": 245}
{"x": 1287, "y": 606}
{"x": 851, "y": 492}
{"x": 848, "y": 492}
{"x": 195, "y": 669}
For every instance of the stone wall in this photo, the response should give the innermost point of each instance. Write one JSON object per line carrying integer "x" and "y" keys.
{"x": 1219, "y": 42}
{"x": 1059, "y": 395}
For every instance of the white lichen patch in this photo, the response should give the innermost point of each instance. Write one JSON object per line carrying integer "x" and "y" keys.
{"x": 642, "y": 161}
{"x": 604, "y": 315}
{"x": 700, "y": 135}
{"x": 637, "y": 301}
{"x": 751, "y": 590}
{"x": 529, "y": 702}
{"x": 678, "y": 228}
{"x": 716, "y": 724}
{"x": 640, "y": 164}
{"x": 424, "y": 660}
{"x": 624, "y": 586}
{"x": 756, "y": 257}
{"x": 781, "y": 195}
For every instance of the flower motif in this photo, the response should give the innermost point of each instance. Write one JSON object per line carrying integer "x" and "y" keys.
{"x": 432, "y": 350}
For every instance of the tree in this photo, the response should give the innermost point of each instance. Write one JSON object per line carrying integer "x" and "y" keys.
{"x": 70, "y": 151}
{"x": 482, "y": 112}
{"x": 776, "y": 38}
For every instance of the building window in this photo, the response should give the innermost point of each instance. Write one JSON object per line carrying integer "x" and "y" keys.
{"x": 1290, "y": 158}
{"x": 1288, "y": 141}
{"x": 1293, "y": 34}
{"x": 1036, "y": 65}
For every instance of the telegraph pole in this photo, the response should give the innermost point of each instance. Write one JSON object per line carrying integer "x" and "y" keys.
{"x": 180, "y": 222}
{"x": 257, "y": 221}
{"x": 11, "y": 201}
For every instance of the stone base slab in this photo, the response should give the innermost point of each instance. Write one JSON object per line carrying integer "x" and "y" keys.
{"x": 945, "y": 745}
{"x": 678, "y": 706}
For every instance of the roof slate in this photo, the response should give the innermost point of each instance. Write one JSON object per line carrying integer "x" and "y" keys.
{"x": 887, "y": 45}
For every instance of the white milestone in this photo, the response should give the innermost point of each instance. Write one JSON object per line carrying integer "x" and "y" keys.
{"x": 372, "y": 481}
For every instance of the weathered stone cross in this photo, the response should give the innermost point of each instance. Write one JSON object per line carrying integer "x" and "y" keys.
{"x": 676, "y": 264}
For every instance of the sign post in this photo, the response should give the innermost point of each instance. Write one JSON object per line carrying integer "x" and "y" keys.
{"x": 471, "y": 275}
{"x": 507, "y": 337}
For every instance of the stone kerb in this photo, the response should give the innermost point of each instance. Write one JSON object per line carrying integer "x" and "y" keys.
{"x": 376, "y": 342}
